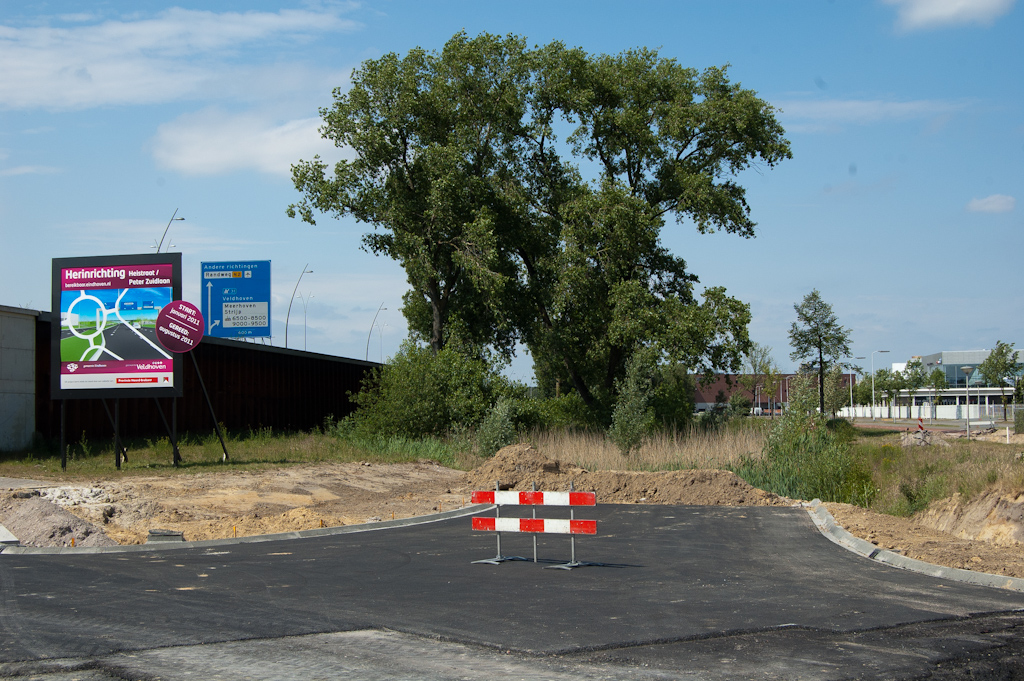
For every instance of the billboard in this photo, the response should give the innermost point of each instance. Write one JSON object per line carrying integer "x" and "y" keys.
{"x": 236, "y": 298}
{"x": 106, "y": 343}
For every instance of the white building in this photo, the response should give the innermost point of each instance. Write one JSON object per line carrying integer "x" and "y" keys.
{"x": 963, "y": 395}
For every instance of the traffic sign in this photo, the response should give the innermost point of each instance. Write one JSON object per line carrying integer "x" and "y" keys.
{"x": 236, "y": 298}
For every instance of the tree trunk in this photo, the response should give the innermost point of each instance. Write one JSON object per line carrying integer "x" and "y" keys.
{"x": 438, "y": 309}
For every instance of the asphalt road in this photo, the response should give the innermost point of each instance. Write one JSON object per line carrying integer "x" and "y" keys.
{"x": 690, "y": 592}
{"x": 125, "y": 343}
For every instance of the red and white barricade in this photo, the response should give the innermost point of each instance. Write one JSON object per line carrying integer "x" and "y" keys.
{"x": 535, "y": 525}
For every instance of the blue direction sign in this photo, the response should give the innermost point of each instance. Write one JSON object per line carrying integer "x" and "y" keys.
{"x": 236, "y": 298}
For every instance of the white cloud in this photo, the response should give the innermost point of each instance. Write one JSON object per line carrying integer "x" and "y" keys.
{"x": 141, "y": 235}
{"x": 212, "y": 142}
{"x": 28, "y": 170}
{"x": 833, "y": 114}
{"x": 179, "y": 53}
{"x": 997, "y": 203}
{"x": 926, "y": 14}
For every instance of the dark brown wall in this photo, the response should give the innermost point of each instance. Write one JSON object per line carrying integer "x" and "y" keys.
{"x": 251, "y": 386}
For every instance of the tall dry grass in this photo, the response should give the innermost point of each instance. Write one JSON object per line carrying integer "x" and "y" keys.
{"x": 909, "y": 479}
{"x": 664, "y": 451}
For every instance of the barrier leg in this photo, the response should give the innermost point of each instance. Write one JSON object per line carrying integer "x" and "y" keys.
{"x": 498, "y": 558}
{"x": 573, "y": 563}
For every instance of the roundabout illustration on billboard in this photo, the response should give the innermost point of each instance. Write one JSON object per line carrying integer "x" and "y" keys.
{"x": 107, "y": 338}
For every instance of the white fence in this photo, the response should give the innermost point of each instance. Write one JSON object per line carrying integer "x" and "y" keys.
{"x": 942, "y": 412}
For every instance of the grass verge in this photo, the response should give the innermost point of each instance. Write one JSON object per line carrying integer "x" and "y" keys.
{"x": 252, "y": 450}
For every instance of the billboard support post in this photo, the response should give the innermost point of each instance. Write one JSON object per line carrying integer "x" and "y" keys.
{"x": 115, "y": 423}
{"x": 63, "y": 440}
{"x": 172, "y": 430}
{"x": 216, "y": 425}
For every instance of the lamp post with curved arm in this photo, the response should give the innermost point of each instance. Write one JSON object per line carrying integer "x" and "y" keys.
{"x": 290, "y": 300}
{"x": 369, "y": 335}
{"x": 305, "y": 302}
{"x": 164, "y": 236}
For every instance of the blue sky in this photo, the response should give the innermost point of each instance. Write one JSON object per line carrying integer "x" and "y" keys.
{"x": 900, "y": 205}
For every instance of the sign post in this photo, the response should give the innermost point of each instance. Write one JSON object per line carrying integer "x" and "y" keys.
{"x": 179, "y": 328}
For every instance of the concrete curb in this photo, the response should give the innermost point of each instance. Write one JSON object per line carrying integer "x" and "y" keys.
{"x": 255, "y": 539}
{"x": 827, "y": 525}
{"x": 6, "y": 538}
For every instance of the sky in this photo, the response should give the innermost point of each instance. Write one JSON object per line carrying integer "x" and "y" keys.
{"x": 900, "y": 204}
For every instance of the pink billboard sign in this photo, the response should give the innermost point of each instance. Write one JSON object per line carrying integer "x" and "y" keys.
{"x": 118, "y": 277}
{"x": 106, "y": 342}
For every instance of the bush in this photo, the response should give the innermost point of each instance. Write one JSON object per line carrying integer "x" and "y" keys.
{"x": 1018, "y": 421}
{"x": 633, "y": 417}
{"x": 739, "y": 405}
{"x": 498, "y": 428}
{"x": 421, "y": 394}
{"x": 805, "y": 459}
{"x": 566, "y": 412}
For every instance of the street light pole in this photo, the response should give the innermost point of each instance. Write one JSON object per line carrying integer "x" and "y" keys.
{"x": 369, "y": 335}
{"x": 305, "y": 301}
{"x": 160, "y": 245}
{"x": 967, "y": 387}
{"x": 873, "y": 383}
{"x": 291, "y": 300}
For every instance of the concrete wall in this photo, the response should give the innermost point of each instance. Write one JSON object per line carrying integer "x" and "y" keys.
{"x": 17, "y": 377}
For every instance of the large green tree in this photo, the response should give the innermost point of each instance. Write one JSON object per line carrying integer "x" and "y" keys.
{"x": 429, "y": 137}
{"x": 459, "y": 165}
{"x": 818, "y": 339}
{"x": 1001, "y": 368}
{"x": 665, "y": 142}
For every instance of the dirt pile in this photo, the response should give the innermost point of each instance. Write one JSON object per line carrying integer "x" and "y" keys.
{"x": 992, "y": 517}
{"x": 922, "y": 438}
{"x": 519, "y": 466}
{"x": 36, "y": 521}
{"x": 914, "y": 538}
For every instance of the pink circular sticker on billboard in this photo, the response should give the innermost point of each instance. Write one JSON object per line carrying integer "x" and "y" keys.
{"x": 179, "y": 326}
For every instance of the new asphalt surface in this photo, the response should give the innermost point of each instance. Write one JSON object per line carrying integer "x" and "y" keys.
{"x": 686, "y": 592}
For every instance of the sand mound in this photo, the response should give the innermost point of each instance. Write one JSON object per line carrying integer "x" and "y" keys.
{"x": 38, "y": 522}
{"x": 922, "y": 438}
{"x": 992, "y": 517}
{"x": 519, "y": 466}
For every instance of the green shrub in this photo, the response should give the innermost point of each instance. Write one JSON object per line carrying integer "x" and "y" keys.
{"x": 739, "y": 405}
{"x": 419, "y": 393}
{"x": 566, "y": 412}
{"x": 633, "y": 417}
{"x": 1018, "y": 420}
{"x": 843, "y": 429}
{"x": 804, "y": 459}
{"x": 498, "y": 428}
